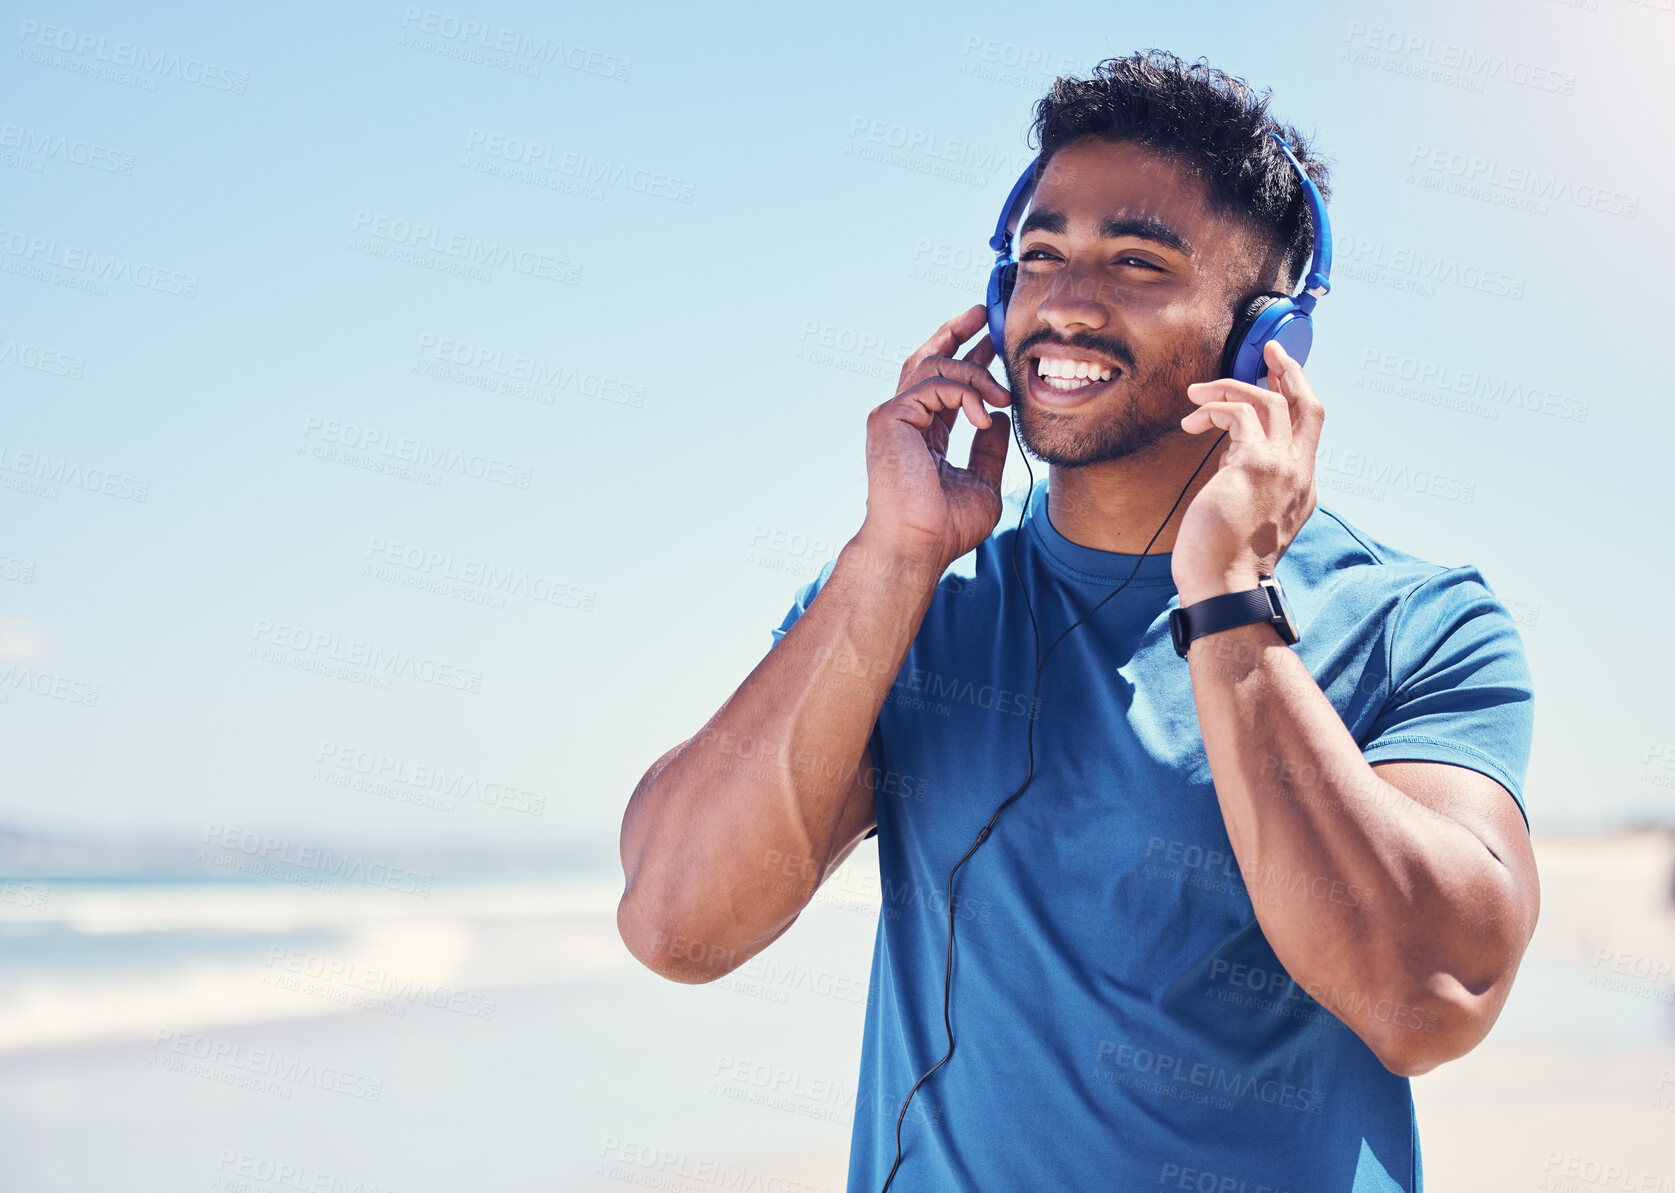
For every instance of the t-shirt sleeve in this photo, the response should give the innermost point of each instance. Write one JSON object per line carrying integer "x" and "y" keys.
{"x": 1460, "y": 685}
{"x": 799, "y": 606}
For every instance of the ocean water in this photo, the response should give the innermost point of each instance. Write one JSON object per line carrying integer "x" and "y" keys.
{"x": 256, "y": 1037}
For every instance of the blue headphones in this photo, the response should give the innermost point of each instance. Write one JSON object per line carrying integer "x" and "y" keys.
{"x": 1270, "y": 316}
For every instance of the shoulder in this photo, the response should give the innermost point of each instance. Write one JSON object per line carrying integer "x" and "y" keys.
{"x": 1332, "y": 554}
{"x": 1342, "y": 574}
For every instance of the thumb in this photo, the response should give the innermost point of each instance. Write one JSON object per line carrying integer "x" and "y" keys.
{"x": 988, "y": 450}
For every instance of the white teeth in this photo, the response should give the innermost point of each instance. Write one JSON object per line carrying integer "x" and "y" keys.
{"x": 1050, "y": 366}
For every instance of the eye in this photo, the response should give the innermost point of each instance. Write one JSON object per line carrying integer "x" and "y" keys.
{"x": 1045, "y": 255}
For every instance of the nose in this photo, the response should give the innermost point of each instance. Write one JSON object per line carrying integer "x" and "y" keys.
{"x": 1073, "y": 303}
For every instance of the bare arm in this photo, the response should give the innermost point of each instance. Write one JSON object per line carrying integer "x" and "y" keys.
{"x": 1400, "y": 896}
{"x": 728, "y": 835}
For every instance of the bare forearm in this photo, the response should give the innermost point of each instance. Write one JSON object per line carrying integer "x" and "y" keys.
{"x": 1393, "y": 916}
{"x": 726, "y": 840}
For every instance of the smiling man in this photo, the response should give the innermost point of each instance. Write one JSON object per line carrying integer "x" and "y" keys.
{"x": 1210, "y": 913}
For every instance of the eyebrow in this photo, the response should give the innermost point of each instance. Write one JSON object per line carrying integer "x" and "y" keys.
{"x": 1111, "y": 228}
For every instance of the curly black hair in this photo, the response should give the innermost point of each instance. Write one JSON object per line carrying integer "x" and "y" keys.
{"x": 1206, "y": 120}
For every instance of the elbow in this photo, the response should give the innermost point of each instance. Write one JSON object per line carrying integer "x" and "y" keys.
{"x": 1412, "y": 1037}
{"x": 647, "y": 919}
{"x": 1410, "y": 1056}
{"x": 1447, "y": 1009}
{"x": 667, "y": 948}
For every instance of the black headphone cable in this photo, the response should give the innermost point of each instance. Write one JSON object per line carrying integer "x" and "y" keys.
{"x": 1029, "y": 739}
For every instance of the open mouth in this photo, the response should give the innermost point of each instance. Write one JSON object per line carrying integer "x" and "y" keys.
{"x": 1058, "y": 377}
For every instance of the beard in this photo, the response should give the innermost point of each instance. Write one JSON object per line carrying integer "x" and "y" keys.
{"x": 1151, "y": 403}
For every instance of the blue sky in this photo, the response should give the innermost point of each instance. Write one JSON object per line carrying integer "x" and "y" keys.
{"x": 240, "y": 297}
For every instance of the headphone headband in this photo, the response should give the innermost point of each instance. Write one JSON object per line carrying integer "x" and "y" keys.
{"x": 1319, "y": 278}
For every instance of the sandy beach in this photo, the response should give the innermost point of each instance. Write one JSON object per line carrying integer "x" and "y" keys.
{"x": 260, "y": 1039}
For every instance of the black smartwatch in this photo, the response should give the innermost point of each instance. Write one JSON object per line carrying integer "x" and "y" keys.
{"x": 1265, "y": 602}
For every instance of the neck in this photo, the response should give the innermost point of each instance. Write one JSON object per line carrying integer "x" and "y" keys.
{"x": 1116, "y": 505}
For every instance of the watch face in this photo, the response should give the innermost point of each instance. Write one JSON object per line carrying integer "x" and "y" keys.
{"x": 1177, "y": 631}
{"x": 1284, "y": 622}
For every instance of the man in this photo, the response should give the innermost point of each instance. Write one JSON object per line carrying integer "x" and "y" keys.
{"x": 1242, "y": 896}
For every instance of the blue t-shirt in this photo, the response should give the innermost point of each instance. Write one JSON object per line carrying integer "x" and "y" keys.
{"x": 1120, "y": 1021}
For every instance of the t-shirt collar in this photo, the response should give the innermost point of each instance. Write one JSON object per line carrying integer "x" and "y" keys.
{"x": 1089, "y": 564}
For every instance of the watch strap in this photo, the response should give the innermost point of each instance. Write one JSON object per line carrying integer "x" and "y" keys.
{"x": 1225, "y": 612}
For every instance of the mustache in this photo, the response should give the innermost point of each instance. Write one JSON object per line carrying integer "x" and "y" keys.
{"x": 1114, "y": 349}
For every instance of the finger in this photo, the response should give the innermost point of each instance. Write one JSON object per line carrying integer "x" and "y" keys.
{"x": 941, "y": 426}
{"x": 968, "y": 372}
{"x": 988, "y": 451}
{"x": 1307, "y": 412}
{"x": 981, "y": 353}
{"x": 1238, "y": 419}
{"x": 935, "y": 394}
{"x": 947, "y": 338}
{"x": 1272, "y": 412}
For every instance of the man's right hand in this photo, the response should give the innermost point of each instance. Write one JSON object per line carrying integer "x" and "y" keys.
{"x": 917, "y": 502}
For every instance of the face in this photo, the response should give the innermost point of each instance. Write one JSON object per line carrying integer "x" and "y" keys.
{"x": 1125, "y": 290}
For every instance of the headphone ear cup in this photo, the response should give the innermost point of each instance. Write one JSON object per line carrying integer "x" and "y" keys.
{"x": 999, "y": 292}
{"x": 1243, "y": 322}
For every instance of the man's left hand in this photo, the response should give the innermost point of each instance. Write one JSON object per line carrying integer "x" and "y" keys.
{"x": 1262, "y": 490}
